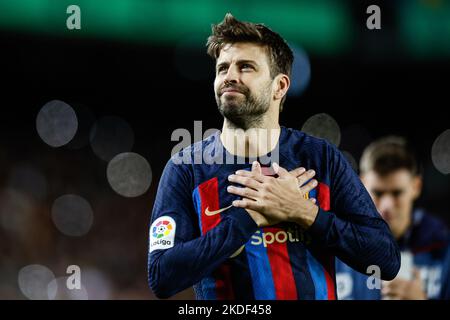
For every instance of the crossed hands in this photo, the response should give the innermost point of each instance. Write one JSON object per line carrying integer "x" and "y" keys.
{"x": 271, "y": 200}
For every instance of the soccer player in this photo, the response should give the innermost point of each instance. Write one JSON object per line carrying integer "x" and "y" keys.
{"x": 391, "y": 174}
{"x": 259, "y": 226}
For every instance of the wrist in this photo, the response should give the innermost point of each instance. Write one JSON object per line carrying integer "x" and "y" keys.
{"x": 305, "y": 215}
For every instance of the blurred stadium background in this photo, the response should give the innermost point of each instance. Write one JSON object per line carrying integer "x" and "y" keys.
{"x": 136, "y": 71}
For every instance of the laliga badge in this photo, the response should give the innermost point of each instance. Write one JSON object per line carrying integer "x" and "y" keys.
{"x": 162, "y": 233}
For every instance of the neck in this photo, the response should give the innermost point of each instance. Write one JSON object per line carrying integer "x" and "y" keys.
{"x": 252, "y": 142}
{"x": 401, "y": 231}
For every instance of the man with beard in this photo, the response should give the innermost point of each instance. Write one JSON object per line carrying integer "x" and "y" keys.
{"x": 258, "y": 226}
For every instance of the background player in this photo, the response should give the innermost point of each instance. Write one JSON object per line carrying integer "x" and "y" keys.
{"x": 391, "y": 174}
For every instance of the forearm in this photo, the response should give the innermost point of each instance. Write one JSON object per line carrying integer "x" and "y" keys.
{"x": 178, "y": 268}
{"x": 360, "y": 243}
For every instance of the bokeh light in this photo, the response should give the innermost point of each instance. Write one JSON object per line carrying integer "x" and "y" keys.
{"x": 34, "y": 280}
{"x": 58, "y": 290}
{"x": 97, "y": 284}
{"x": 72, "y": 215}
{"x": 440, "y": 152}
{"x": 56, "y": 123}
{"x": 129, "y": 174}
{"x": 323, "y": 126}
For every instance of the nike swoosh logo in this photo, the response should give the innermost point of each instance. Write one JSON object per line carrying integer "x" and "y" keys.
{"x": 211, "y": 213}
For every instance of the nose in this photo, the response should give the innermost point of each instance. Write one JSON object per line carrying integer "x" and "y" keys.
{"x": 386, "y": 203}
{"x": 232, "y": 75}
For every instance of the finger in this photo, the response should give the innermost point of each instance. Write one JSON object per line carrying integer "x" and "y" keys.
{"x": 297, "y": 172}
{"x": 309, "y": 186}
{"x": 251, "y": 174}
{"x": 246, "y": 204}
{"x": 313, "y": 200}
{"x": 256, "y": 168}
{"x": 243, "y": 192}
{"x": 257, "y": 171}
{"x": 280, "y": 170}
{"x": 305, "y": 177}
{"x": 245, "y": 181}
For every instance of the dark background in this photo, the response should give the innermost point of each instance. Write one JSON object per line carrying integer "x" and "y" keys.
{"x": 373, "y": 88}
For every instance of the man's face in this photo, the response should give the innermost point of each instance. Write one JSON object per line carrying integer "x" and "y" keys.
{"x": 243, "y": 85}
{"x": 394, "y": 195}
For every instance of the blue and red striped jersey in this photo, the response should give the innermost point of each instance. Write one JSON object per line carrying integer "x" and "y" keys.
{"x": 198, "y": 239}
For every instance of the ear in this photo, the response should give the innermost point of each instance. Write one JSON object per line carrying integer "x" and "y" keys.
{"x": 282, "y": 84}
{"x": 417, "y": 186}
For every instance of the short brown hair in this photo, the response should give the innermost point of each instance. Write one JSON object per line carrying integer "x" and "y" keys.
{"x": 387, "y": 155}
{"x": 231, "y": 30}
